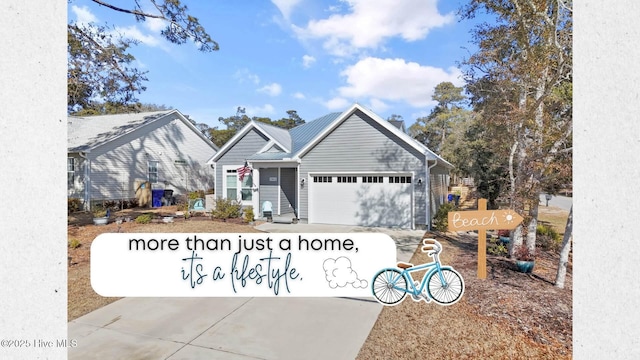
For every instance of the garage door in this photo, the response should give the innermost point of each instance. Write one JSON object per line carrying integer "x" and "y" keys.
{"x": 364, "y": 200}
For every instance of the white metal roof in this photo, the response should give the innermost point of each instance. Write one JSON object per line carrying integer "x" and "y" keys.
{"x": 87, "y": 132}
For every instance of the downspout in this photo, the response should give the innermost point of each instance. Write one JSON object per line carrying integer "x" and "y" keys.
{"x": 279, "y": 188}
{"x": 427, "y": 191}
{"x": 87, "y": 180}
{"x": 299, "y": 187}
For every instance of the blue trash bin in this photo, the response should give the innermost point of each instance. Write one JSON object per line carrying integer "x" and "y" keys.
{"x": 156, "y": 197}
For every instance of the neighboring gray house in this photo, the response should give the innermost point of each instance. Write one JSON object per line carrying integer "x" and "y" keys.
{"x": 351, "y": 168}
{"x": 108, "y": 154}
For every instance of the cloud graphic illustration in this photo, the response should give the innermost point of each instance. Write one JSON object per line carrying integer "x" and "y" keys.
{"x": 339, "y": 273}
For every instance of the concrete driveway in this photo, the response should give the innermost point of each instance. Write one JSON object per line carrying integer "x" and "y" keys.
{"x": 235, "y": 328}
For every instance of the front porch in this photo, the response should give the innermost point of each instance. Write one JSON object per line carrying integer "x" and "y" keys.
{"x": 275, "y": 189}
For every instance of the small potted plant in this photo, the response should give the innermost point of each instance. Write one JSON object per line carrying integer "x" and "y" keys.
{"x": 503, "y": 236}
{"x": 525, "y": 258}
{"x": 100, "y": 216}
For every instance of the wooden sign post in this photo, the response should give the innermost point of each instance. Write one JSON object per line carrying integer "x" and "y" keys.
{"x": 483, "y": 220}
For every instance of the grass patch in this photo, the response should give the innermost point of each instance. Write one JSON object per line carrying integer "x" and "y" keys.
{"x": 554, "y": 217}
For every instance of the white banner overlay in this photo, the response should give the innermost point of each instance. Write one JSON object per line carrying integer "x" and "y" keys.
{"x": 238, "y": 264}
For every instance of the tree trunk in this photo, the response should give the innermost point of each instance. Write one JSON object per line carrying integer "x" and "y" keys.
{"x": 564, "y": 252}
{"x": 516, "y": 235}
{"x": 533, "y": 225}
{"x": 516, "y": 240}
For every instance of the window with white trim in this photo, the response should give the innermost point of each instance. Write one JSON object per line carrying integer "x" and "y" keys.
{"x": 237, "y": 189}
{"x": 152, "y": 171}
{"x": 71, "y": 172}
{"x": 246, "y": 191}
{"x": 232, "y": 183}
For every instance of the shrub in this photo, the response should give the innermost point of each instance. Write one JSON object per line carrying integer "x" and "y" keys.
{"x": 132, "y": 204}
{"x": 497, "y": 248}
{"x": 183, "y": 206}
{"x": 548, "y": 238}
{"x": 74, "y": 243}
{"x": 73, "y": 205}
{"x": 227, "y": 209}
{"x": 198, "y": 194}
{"x": 144, "y": 218}
{"x": 99, "y": 211}
{"x": 248, "y": 214}
{"x": 523, "y": 253}
{"x": 441, "y": 219}
{"x": 503, "y": 233}
{"x": 111, "y": 204}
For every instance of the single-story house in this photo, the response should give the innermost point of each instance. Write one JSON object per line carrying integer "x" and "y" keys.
{"x": 351, "y": 168}
{"x": 109, "y": 154}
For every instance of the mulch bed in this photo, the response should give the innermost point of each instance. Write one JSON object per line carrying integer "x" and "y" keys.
{"x": 81, "y": 297}
{"x": 528, "y": 303}
{"x": 508, "y": 315}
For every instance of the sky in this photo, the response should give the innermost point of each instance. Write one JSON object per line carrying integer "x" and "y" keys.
{"x": 311, "y": 56}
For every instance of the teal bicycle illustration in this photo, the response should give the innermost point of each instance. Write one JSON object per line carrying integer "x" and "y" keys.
{"x": 441, "y": 283}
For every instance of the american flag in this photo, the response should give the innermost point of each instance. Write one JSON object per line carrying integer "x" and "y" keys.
{"x": 242, "y": 171}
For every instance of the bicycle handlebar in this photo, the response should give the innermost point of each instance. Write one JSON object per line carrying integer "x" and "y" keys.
{"x": 431, "y": 246}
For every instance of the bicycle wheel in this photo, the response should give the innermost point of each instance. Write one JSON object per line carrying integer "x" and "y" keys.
{"x": 448, "y": 293}
{"x": 385, "y": 286}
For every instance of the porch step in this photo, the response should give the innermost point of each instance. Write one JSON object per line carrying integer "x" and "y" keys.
{"x": 283, "y": 219}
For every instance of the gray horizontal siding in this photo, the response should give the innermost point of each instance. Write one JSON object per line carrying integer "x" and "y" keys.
{"x": 269, "y": 188}
{"x": 439, "y": 183}
{"x": 360, "y": 144}
{"x": 287, "y": 190}
{"x": 117, "y": 165}
{"x": 249, "y": 144}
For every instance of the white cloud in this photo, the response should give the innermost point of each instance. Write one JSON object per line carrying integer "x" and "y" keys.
{"x": 273, "y": 89}
{"x": 371, "y": 22}
{"x": 133, "y": 32}
{"x": 337, "y": 103}
{"x": 307, "y": 61}
{"x": 395, "y": 80}
{"x": 419, "y": 114}
{"x": 266, "y": 109}
{"x": 155, "y": 25}
{"x": 378, "y": 105}
{"x": 245, "y": 75}
{"x": 285, "y": 6}
{"x": 299, "y": 95}
{"x": 83, "y": 15}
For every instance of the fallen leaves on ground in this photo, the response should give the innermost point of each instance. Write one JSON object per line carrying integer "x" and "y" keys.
{"x": 508, "y": 315}
{"x": 81, "y": 299}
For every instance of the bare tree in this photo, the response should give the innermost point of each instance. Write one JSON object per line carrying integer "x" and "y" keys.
{"x": 564, "y": 251}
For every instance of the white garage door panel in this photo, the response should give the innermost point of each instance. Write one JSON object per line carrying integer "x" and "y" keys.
{"x": 364, "y": 204}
